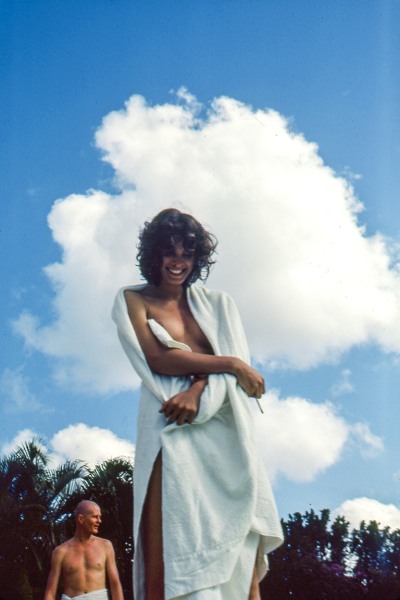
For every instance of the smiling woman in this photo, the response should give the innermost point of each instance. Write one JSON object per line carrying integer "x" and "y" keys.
{"x": 205, "y": 517}
{"x": 177, "y": 264}
{"x": 158, "y": 240}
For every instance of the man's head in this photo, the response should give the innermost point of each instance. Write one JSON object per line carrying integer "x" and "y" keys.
{"x": 159, "y": 236}
{"x": 88, "y": 517}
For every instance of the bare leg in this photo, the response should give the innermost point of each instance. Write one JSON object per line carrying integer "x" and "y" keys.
{"x": 254, "y": 587}
{"x": 151, "y": 527}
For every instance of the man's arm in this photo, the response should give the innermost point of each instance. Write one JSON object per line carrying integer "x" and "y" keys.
{"x": 54, "y": 575}
{"x": 112, "y": 574}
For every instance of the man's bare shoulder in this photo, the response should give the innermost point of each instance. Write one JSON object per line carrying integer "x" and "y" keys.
{"x": 102, "y": 541}
{"x": 65, "y": 546}
{"x": 70, "y": 545}
{"x": 60, "y": 551}
{"x": 103, "y": 547}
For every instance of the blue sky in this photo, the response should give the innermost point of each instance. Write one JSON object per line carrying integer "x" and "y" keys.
{"x": 331, "y": 70}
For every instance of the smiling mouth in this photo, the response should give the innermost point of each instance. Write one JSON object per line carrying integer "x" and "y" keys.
{"x": 175, "y": 271}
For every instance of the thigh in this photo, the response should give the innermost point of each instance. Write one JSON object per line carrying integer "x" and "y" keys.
{"x": 151, "y": 530}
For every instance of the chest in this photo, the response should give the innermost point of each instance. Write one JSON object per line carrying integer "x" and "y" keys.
{"x": 181, "y": 325}
{"x": 88, "y": 559}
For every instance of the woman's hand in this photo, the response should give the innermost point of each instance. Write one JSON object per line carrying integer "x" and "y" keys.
{"x": 183, "y": 407}
{"x": 250, "y": 380}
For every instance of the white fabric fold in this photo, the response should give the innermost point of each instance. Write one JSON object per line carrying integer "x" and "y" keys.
{"x": 215, "y": 490}
{"x": 164, "y": 337}
{"x": 96, "y": 595}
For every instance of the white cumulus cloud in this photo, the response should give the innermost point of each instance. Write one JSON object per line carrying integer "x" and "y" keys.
{"x": 23, "y": 436}
{"x": 89, "y": 444}
{"x": 368, "y": 509}
{"x": 300, "y": 439}
{"x": 308, "y": 280}
{"x": 78, "y": 442}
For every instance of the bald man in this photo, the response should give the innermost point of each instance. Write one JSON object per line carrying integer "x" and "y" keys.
{"x": 85, "y": 561}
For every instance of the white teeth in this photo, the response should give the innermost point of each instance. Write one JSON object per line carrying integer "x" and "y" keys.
{"x": 175, "y": 271}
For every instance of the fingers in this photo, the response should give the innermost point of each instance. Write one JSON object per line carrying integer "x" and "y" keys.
{"x": 256, "y": 384}
{"x": 253, "y": 390}
{"x": 176, "y": 413}
{"x": 258, "y": 388}
{"x": 253, "y": 384}
{"x": 171, "y": 411}
{"x": 257, "y": 393}
{"x": 261, "y": 388}
{"x": 183, "y": 418}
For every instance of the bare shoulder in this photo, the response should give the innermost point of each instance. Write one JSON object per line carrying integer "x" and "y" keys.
{"x": 105, "y": 545}
{"x": 102, "y": 541}
{"x": 135, "y": 300}
{"x": 60, "y": 551}
{"x": 68, "y": 545}
{"x": 141, "y": 302}
{"x": 134, "y": 295}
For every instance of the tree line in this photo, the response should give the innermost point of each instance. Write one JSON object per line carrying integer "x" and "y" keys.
{"x": 320, "y": 559}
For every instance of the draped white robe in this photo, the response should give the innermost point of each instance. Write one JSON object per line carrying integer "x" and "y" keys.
{"x": 217, "y": 502}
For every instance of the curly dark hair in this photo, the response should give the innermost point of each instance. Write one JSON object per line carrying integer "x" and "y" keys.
{"x": 161, "y": 234}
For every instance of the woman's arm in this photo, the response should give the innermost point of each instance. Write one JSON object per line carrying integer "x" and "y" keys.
{"x": 175, "y": 362}
{"x": 183, "y": 407}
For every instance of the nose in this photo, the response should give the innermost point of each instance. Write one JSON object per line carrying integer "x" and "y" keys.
{"x": 176, "y": 261}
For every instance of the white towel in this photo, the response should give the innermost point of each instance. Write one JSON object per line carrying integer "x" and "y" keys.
{"x": 96, "y": 595}
{"x": 215, "y": 490}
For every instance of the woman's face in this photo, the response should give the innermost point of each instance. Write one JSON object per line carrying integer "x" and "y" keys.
{"x": 177, "y": 264}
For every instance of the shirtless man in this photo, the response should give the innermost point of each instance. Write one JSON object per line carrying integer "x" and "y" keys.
{"x": 84, "y": 561}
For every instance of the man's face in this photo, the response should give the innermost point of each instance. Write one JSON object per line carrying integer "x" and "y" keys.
{"x": 91, "y": 520}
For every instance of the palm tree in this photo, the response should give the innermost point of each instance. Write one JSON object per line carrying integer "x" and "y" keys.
{"x": 32, "y": 497}
{"x": 36, "y": 505}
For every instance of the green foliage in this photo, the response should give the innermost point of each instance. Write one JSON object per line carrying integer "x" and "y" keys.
{"x": 31, "y": 495}
{"x": 319, "y": 560}
{"x": 323, "y": 561}
{"x": 36, "y": 506}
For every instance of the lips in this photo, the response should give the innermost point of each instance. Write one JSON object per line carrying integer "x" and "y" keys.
{"x": 175, "y": 271}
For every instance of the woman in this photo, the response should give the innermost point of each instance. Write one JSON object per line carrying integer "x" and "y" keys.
{"x": 205, "y": 517}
